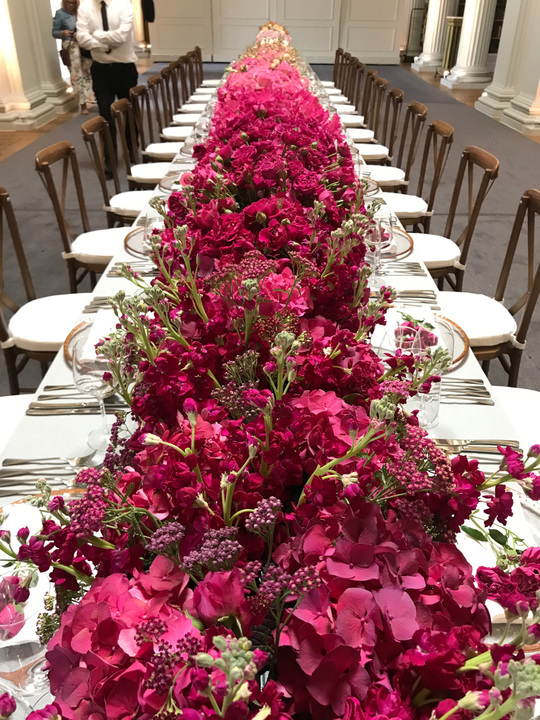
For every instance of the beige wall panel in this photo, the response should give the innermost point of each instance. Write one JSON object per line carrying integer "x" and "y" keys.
{"x": 368, "y": 11}
{"x": 307, "y": 10}
{"x": 244, "y": 9}
{"x": 311, "y": 39}
{"x": 179, "y": 26}
{"x": 373, "y": 40}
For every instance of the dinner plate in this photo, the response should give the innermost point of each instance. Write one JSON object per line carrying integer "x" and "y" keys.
{"x": 403, "y": 244}
{"x": 461, "y": 341}
{"x": 135, "y": 245}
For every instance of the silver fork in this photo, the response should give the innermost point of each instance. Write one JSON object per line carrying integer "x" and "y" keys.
{"x": 74, "y": 462}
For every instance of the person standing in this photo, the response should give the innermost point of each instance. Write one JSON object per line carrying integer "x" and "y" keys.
{"x": 105, "y": 27}
{"x": 64, "y": 23}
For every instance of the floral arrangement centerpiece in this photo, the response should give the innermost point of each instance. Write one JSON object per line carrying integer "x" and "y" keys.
{"x": 277, "y": 539}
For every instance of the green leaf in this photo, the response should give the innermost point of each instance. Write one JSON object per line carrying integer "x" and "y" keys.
{"x": 474, "y": 533}
{"x": 498, "y": 536}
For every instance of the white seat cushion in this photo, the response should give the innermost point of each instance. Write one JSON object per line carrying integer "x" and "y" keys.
{"x": 203, "y": 91}
{"x": 360, "y": 135}
{"x": 130, "y": 203}
{"x": 12, "y": 409}
{"x": 435, "y": 251}
{"x": 372, "y": 151}
{"x": 195, "y": 107}
{"x": 344, "y": 108}
{"x": 341, "y": 99}
{"x": 351, "y": 121}
{"x": 386, "y": 174}
{"x": 43, "y": 324}
{"x": 328, "y": 83}
{"x": 405, "y": 206}
{"x": 150, "y": 172}
{"x": 199, "y": 98}
{"x": 186, "y": 118}
{"x": 98, "y": 246}
{"x": 177, "y": 132}
{"x": 485, "y": 321}
{"x": 333, "y": 90}
{"x": 164, "y": 150}
{"x": 211, "y": 83}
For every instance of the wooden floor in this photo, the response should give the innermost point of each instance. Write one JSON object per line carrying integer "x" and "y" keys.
{"x": 11, "y": 142}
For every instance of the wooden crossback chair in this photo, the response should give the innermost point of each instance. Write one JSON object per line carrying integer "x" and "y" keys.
{"x": 510, "y": 352}
{"x": 65, "y": 154}
{"x": 36, "y": 330}
{"x": 473, "y": 158}
{"x": 416, "y": 210}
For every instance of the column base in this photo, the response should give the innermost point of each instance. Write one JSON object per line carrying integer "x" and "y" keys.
{"x": 60, "y": 96}
{"x": 427, "y": 62}
{"x": 494, "y": 101}
{"x": 518, "y": 116}
{"x": 470, "y": 83}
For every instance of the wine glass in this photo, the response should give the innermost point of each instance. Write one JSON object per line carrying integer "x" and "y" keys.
{"x": 88, "y": 371}
{"x": 373, "y": 242}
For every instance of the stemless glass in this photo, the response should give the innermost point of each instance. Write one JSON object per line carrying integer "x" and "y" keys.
{"x": 22, "y": 656}
{"x": 373, "y": 242}
{"x": 88, "y": 370}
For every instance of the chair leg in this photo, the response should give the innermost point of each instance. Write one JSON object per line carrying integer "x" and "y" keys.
{"x": 44, "y": 365}
{"x": 440, "y": 282}
{"x": 515, "y": 362}
{"x": 10, "y": 355}
{"x": 93, "y": 279}
{"x": 485, "y": 366}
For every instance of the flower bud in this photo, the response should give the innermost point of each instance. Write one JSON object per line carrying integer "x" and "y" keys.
{"x": 204, "y": 659}
{"x": 150, "y": 439}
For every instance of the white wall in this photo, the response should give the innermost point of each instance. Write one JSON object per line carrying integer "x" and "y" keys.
{"x": 372, "y": 29}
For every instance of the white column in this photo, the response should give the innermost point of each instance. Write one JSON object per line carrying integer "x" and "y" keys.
{"x": 32, "y": 91}
{"x": 471, "y": 69}
{"x": 435, "y": 34}
{"x": 497, "y": 96}
{"x": 523, "y": 114}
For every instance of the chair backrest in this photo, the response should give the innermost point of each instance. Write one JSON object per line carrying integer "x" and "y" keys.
{"x": 142, "y": 114}
{"x": 346, "y": 70}
{"x": 190, "y": 66}
{"x": 65, "y": 154}
{"x": 374, "y": 115}
{"x": 122, "y": 113}
{"x": 392, "y": 114}
{"x": 439, "y": 139}
{"x": 415, "y": 117}
{"x": 97, "y": 136}
{"x": 159, "y": 100}
{"x": 527, "y": 212}
{"x": 6, "y": 212}
{"x": 336, "y": 74}
{"x": 168, "y": 79}
{"x": 181, "y": 69}
{"x": 198, "y": 65}
{"x": 357, "y": 83}
{"x": 369, "y": 83}
{"x": 472, "y": 158}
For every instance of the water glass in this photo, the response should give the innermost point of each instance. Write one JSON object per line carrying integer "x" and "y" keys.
{"x": 428, "y": 405}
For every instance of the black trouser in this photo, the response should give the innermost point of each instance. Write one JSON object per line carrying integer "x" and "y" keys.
{"x": 112, "y": 81}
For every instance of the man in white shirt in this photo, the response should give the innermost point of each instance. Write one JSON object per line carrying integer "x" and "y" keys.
{"x": 105, "y": 27}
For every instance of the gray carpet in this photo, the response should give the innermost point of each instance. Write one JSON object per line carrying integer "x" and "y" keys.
{"x": 520, "y": 163}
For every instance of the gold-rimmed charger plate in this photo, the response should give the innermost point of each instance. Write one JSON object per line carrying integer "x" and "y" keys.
{"x": 134, "y": 243}
{"x": 404, "y": 244}
{"x": 371, "y": 187}
{"x": 461, "y": 342}
{"x": 70, "y": 339}
{"x": 169, "y": 183}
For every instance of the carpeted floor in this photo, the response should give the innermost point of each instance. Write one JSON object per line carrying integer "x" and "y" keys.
{"x": 519, "y": 158}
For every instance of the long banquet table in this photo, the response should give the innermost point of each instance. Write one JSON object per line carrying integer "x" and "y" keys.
{"x": 65, "y": 435}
